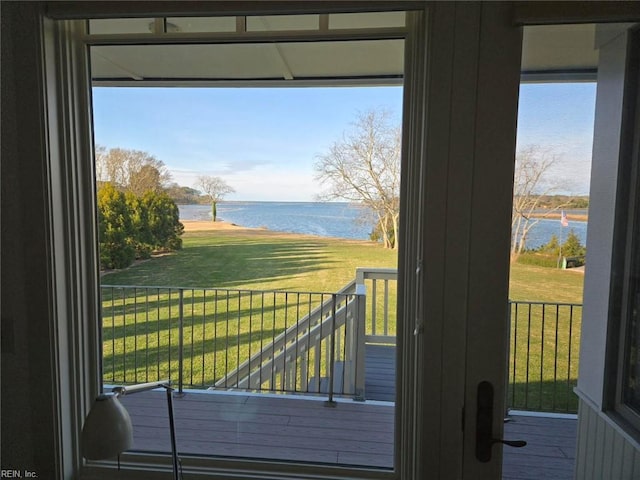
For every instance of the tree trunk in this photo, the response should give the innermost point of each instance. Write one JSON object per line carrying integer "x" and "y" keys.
{"x": 395, "y": 232}
{"x": 214, "y": 210}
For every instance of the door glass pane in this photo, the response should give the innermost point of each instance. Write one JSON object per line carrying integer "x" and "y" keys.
{"x": 631, "y": 380}
{"x": 549, "y": 230}
{"x": 631, "y": 282}
{"x": 244, "y": 255}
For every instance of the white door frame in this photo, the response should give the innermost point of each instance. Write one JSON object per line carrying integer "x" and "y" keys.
{"x": 466, "y": 69}
{"x": 472, "y": 78}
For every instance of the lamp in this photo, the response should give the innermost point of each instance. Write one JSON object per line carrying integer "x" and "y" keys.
{"x": 107, "y": 431}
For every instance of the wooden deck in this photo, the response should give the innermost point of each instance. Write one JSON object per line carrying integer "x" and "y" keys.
{"x": 266, "y": 426}
{"x": 550, "y": 452}
{"x": 295, "y": 428}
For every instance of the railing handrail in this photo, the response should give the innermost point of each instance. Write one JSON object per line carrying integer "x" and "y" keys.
{"x": 379, "y": 273}
{"x": 216, "y": 289}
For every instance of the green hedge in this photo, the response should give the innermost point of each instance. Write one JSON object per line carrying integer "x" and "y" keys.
{"x": 538, "y": 259}
{"x": 133, "y": 227}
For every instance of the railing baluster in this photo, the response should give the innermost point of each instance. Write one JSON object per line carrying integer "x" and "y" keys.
{"x": 158, "y": 330}
{"x": 386, "y": 307}
{"x": 295, "y": 385}
{"x": 192, "y": 337}
{"x": 215, "y": 337}
{"x": 273, "y": 335}
{"x": 286, "y": 326}
{"x": 542, "y": 357}
{"x": 135, "y": 335}
{"x": 374, "y": 303}
{"x": 360, "y": 333}
{"x": 146, "y": 331}
{"x": 569, "y": 356}
{"x": 180, "y": 338}
{"x": 113, "y": 336}
{"x": 308, "y": 349}
{"x": 343, "y": 344}
{"x": 515, "y": 351}
{"x": 317, "y": 349}
{"x": 238, "y": 329}
{"x": 169, "y": 329}
{"x": 332, "y": 354}
{"x": 526, "y": 385}
{"x": 226, "y": 346}
{"x": 250, "y": 327}
{"x": 204, "y": 338}
{"x": 555, "y": 357}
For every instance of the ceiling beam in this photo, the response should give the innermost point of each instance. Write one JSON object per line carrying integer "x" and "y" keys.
{"x": 111, "y": 9}
{"x": 550, "y": 13}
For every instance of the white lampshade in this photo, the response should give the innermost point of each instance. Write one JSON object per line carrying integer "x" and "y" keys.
{"x": 107, "y": 431}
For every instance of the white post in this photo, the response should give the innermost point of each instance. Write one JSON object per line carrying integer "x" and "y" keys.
{"x": 359, "y": 320}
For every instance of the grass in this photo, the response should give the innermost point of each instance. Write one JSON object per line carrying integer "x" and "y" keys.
{"x": 223, "y": 259}
{"x": 141, "y": 335}
{"x": 222, "y": 329}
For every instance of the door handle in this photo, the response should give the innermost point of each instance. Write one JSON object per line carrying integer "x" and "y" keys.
{"x": 484, "y": 425}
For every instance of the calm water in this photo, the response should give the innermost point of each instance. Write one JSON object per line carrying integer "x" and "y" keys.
{"x": 333, "y": 219}
{"x": 542, "y": 231}
{"x": 339, "y": 220}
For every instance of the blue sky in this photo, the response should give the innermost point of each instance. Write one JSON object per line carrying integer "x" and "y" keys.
{"x": 264, "y": 142}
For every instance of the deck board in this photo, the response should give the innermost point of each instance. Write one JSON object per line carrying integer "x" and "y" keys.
{"x": 380, "y": 372}
{"x": 304, "y": 429}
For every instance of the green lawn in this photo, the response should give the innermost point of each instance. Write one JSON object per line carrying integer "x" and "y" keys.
{"x": 140, "y": 328}
{"x": 224, "y": 259}
{"x": 279, "y": 262}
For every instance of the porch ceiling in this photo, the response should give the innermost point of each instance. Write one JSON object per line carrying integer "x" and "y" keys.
{"x": 549, "y": 53}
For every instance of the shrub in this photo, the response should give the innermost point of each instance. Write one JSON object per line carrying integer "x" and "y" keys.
{"x": 163, "y": 221}
{"x": 133, "y": 227}
{"x": 115, "y": 228}
{"x": 572, "y": 246}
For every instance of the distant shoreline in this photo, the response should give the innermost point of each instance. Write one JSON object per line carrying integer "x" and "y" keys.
{"x": 208, "y": 225}
{"x": 578, "y": 217}
{"x": 227, "y": 228}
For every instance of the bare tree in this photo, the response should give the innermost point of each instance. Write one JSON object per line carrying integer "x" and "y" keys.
{"x": 135, "y": 171}
{"x": 531, "y": 184}
{"x": 216, "y": 189}
{"x": 364, "y": 167}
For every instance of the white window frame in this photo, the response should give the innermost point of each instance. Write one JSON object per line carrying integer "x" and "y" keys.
{"x": 627, "y": 238}
{"x": 75, "y": 266}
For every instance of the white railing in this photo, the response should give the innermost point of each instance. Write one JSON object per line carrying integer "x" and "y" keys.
{"x": 323, "y": 352}
{"x": 380, "y": 284}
